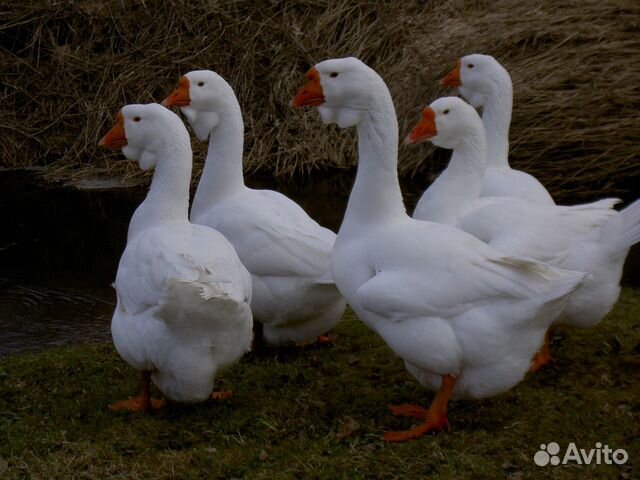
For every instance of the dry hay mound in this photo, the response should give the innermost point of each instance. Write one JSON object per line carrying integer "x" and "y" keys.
{"x": 69, "y": 66}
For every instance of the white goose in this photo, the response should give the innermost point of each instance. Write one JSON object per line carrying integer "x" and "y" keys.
{"x": 485, "y": 83}
{"x": 515, "y": 226}
{"x": 183, "y": 296}
{"x": 286, "y": 252}
{"x": 591, "y": 238}
{"x": 465, "y": 318}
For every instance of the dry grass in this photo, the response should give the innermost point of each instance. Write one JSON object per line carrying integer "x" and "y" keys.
{"x": 68, "y": 67}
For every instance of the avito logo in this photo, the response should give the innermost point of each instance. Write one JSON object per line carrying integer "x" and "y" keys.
{"x": 548, "y": 454}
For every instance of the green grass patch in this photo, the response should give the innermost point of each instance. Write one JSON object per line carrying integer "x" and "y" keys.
{"x": 320, "y": 413}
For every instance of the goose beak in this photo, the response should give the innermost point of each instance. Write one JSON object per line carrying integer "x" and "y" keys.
{"x": 311, "y": 94}
{"x": 180, "y": 96}
{"x": 116, "y": 137}
{"x": 452, "y": 79}
{"x": 425, "y": 129}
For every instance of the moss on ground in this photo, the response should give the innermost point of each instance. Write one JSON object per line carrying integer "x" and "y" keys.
{"x": 319, "y": 413}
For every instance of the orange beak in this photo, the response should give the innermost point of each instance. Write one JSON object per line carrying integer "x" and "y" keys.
{"x": 452, "y": 79}
{"x": 425, "y": 129}
{"x": 180, "y": 96}
{"x": 311, "y": 95}
{"x": 115, "y": 138}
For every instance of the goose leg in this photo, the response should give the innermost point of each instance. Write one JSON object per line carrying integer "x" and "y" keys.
{"x": 543, "y": 356}
{"x": 257, "y": 344}
{"x": 409, "y": 410}
{"x": 221, "y": 395}
{"x": 435, "y": 416}
{"x": 143, "y": 402}
{"x": 324, "y": 340}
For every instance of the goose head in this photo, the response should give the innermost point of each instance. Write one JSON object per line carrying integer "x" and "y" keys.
{"x": 446, "y": 122}
{"x": 202, "y": 96}
{"x": 341, "y": 88}
{"x": 477, "y": 77}
{"x": 139, "y": 132}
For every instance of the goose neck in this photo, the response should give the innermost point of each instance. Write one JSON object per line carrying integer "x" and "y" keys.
{"x": 458, "y": 186}
{"x": 376, "y": 197}
{"x": 222, "y": 175}
{"x": 496, "y": 118}
{"x": 168, "y": 197}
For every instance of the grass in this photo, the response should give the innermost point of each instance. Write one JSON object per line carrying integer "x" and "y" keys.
{"x": 319, "y": 413}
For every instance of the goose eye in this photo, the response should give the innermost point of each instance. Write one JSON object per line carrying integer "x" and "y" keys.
{"x": 471, "y": 65}
{"x": 446, "y": 112}
{"x": 201, "y": 84}
{"x": 136, "y": 119}
{"x": 333, "y": 74}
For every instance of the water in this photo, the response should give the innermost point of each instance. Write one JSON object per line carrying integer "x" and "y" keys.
{"x": 60, "y": 246}
{"x": 34, "y": 317}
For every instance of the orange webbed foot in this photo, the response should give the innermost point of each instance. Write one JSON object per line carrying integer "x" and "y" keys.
{"x": 409, "y": 410}
{"x": 321, "y": 341}
{"x": 138, "y": 404}
{"x": 324, "y": 340}
{"x": 221, "y": 395}
{"x": 435, "y": 417}
{"x": 430, "y": 425}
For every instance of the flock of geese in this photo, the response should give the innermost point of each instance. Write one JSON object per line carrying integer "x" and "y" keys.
{"x": 464, "y": 291}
